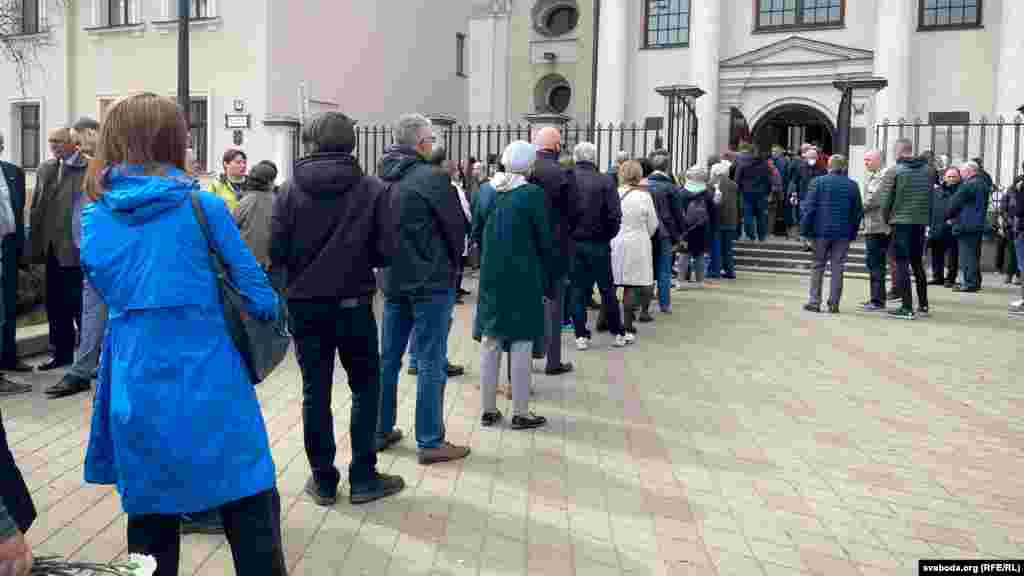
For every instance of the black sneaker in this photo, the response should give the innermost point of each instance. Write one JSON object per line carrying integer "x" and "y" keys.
{"x": 602, "y": 328}
{"x": 833, "y": 309}
{"x": 455, "y": 370}
{"x": 320, "y": 498}
{"x": 530, "y": 420}
{"x": 392, "y": 438}
{"x": 812, "y": 308}
{"x": 902, "y": 314}
{"x": 490, "y": 418}
{"x": 563, "y": 368}
{"x": 872, "y": 307}
{"x": 69, "y": 385}
{"x": 208, "y": 522}
{"x": 923, "y": 312}
{"x": 382, "y": 486}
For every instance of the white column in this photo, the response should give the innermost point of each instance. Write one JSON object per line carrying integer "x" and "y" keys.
{"x": 489, "y": 60}
{"x": 613, "y": 52}
{"x": 894, "y": 28}
{"x": 1009, "y": 84}
{"x": 705, "y": 27}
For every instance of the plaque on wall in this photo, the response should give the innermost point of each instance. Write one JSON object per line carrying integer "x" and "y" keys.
{"x": 654, "y": 123}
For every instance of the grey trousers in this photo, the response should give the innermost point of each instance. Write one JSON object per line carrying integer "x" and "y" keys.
{"x": 94, "y": 325}
{"x": 555, "y": 311}
{"x": 490, "y": 371}
{"x": 835, "y": 252}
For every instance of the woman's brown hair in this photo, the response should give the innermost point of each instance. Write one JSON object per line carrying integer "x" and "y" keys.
{"x": 142, "y": 130}
{"x": 630, "y": 173}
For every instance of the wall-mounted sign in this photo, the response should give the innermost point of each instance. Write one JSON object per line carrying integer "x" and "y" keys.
{"x": 239, "y": 105}
{"x": 237, "y": 121}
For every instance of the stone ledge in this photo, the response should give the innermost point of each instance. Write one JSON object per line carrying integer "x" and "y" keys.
{"x": 33, "y": 340}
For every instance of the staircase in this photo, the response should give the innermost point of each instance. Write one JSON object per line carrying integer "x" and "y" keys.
{"x": 782, "y": 256}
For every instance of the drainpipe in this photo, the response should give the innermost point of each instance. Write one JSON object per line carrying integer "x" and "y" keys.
{"x": 593, "y": 88}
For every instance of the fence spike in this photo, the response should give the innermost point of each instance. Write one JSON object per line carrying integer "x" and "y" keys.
{"x": 902, "y": 120}
{"x": 1002, "y": 119}
{"x": 984, "y": 119}
{"x": 917, "y": 121}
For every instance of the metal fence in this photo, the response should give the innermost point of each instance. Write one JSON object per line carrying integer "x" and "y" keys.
{"x": 998, "y": 144}
{"x": 486, "y": 143}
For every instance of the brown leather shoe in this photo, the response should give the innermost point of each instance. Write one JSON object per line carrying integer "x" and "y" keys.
{"x": 445, "y": 453}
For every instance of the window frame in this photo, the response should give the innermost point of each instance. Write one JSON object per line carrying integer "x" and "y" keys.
{"x": 799, "y": 24}
{"x": 194, "y": 10}
{"x": 921, "y": 26}
{"x": 460, "y": 55}
{"x": 646, "y": 33}
{"x": 29, "y": 144}
{"x": 37, "y": 21}
{"x": 110, "y": 10}
{"x": 200, "y": 123}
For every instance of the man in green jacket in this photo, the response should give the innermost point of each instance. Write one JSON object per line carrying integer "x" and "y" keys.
{"x": 906, "y": 193}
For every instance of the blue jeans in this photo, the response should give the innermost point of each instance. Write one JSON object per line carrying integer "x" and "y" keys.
{"x": 755, "y": 216}
{"x": 663, "y": 273}
{"x": 726, "y": 237}
{"x": 426, "y": 317}
{"x": 1019, "y": 244}
{"x": 970, "y": 272}
{"x": 715, "y": 262}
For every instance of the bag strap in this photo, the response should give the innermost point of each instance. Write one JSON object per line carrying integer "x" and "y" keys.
{"x": 216, "y": 262}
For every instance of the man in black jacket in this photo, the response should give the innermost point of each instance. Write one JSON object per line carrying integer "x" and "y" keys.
{"x": 598, "y": 217}
{"x": 13, "y": 246}
{"x": 419, "y": 285}
{"x": 330, "y": 229}
{"x": 557, "y": 183}
{"x": 670, "y": 230}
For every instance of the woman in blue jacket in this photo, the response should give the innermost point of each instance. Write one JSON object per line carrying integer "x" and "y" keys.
{"x": 176, "y": 424}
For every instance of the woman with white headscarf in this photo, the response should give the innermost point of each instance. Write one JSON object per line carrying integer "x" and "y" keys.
{"x": 510, "y": 224}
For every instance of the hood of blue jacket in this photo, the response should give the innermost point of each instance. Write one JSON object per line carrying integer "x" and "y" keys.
{"x": 138, "y": 198}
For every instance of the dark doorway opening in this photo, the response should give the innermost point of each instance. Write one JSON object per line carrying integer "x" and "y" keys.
{"x": 791, "y": 125}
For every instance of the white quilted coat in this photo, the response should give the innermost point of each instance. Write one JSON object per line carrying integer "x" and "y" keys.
{"x": 632, "y": 259}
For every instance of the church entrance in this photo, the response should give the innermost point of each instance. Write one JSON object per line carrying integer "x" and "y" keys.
{"x": 791, "y": 125}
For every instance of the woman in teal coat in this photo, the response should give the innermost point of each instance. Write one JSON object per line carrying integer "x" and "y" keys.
{"x": 510, "y": 224}
{"x": 176, "y": 424}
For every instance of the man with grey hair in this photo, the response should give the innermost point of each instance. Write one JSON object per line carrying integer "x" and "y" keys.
{"x": 670, "y": 233}
{"x": 876, "y": 231}
{"x": 830, "y": 217}
{"x": 598, "y": 217}
{"x": 419, "y": 285}
{"x": 12, "y": 230}
{"x": 966, "y": 213}
{"x": 906, "y": 195}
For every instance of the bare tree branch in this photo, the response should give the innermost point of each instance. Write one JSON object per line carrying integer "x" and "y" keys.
{"x": 23, "y": 45}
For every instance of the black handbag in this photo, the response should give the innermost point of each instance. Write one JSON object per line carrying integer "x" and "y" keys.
{"x": 262, "y": 344}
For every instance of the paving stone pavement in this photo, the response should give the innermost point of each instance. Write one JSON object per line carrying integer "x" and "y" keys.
{"x": 740, "y": 435}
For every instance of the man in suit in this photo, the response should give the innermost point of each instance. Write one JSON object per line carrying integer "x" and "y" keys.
{"x": 12, "y": 191}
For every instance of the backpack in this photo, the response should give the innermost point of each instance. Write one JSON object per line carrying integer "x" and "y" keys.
{"x": 696, "y": 213}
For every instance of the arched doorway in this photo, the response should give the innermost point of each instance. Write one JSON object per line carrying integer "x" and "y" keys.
{"x": 790, "y": 125}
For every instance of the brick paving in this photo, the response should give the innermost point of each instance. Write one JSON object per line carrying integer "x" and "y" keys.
{"x": 740, "y": 435}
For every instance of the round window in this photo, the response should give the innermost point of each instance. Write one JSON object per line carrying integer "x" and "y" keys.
{"x": 559, "y": 98}
{"x": 561, "y": 20}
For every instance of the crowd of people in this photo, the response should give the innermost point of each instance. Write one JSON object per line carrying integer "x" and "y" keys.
{"x": 117, "y": 208}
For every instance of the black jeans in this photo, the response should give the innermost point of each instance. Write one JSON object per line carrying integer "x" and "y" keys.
{"x": 9, "y": 279}
{"x": 877, "y": 246}
{"x": 942, "y": 246}
{"x": 63, "y": 306}
{"x": 323, "y": 328}
{"x": 908, "y": 251}
{"x": 252, "y": 526}
{"x": 593, "y": 264}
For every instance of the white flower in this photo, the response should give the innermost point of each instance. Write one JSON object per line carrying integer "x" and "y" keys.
{"x": 141, "y": 565}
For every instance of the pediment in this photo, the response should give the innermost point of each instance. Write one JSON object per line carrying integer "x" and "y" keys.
{"x": 797, "y": 50}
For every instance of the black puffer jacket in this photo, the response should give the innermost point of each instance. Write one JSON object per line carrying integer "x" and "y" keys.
{"x": 330, "y": 192}
{"x": 558, "y": 185}
{"x": 668, "y": 205}
{"x": 598, "y": 210}
{"x": 429, "y": 225}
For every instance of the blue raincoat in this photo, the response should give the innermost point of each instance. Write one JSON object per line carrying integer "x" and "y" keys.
{"x": 176, "y": 424}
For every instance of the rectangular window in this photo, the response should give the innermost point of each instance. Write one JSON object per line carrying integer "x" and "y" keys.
{"x": 117, "y": 13}
{"x": 199, "y": 132}
{"x": 783, "y": 14}
{"x": 28, "y": 136}
{"x": 200, "y": 9}
{"x": 460, "y": 55}
{"x": 666, "y": 23}
{"x": 949, "y": 14}
{"x": 29, "y": 16}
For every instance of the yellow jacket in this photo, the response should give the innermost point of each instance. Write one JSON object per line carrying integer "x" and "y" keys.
{"x": 223, "y": 190}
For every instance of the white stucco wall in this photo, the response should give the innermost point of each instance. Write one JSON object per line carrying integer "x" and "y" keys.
{"x": 45, "y": 87}
{"x": 374, "y": 59}
{"x": 947, "y": 73}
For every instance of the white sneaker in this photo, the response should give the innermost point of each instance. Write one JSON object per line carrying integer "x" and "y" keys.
{"x": 629, "y": 338}
{"x": 620, "y": 341}
{"x": 1017, "y": 304}
{"x": 582, "y": 344}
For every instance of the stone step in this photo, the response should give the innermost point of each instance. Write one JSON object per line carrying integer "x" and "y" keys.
{"x": 797, "y": 266}
{"x": 763, "y": 269}
{"x": 786, "y": 255}
{"x": 856, "y": 248}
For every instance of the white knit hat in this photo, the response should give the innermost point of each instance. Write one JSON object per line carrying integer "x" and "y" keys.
{"x": 519, "y": 157}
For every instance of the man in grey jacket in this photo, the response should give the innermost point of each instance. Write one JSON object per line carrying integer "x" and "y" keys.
{"x": 876, "y": 231}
